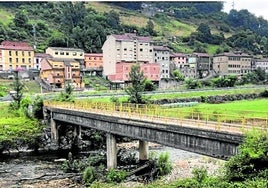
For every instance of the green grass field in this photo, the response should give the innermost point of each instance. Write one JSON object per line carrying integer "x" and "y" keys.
{"x": 13, "y": 125}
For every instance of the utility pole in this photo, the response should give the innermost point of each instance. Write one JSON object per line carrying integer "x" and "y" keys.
{"x": 233, "y": 5}
{"x": 34, "y": 36}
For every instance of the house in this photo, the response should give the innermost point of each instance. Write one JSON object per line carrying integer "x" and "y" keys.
{"x": 37, "y": 59}
{"x": 185, "y": 64}
{"x": 232, "y": 63}
{"x": 126, "y": 48}
{"x": 203, "y": 64}
{"x": 58, "y": 72}
{"x": 15, "y": 54}
{"x": 162, "y": 57}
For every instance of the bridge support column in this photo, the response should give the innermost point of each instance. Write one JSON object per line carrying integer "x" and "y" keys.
{"x": 143, "y": 150}
{"x": 54, "y": 131}
{"x": 77, "y": 131}
{"x": 111, "y": 151}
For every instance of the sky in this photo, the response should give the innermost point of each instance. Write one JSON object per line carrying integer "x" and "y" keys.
{"x": 257, "y": 7}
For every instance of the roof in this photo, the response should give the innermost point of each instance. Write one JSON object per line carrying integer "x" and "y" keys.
{"x": 94, "y": 55}
{"x": 232, "y": 54}
{"x": 178, "y": 55}
{"x": 261, "y": 60}
{"x": 16, "y": 45}
{"x": 161, "y": 48}
{"x": 201, "y": 54}
{"x": 66, "y": 49}
{"x": 131, "y": 37}
{"x": 42, "y": 55}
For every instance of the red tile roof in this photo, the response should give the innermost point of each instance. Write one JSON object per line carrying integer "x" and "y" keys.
{"x": 15, "y": 45}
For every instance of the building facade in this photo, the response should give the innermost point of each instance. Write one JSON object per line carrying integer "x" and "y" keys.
{"x": 93, "y": 61}
{"x": 126, "y": 48}
{"x": 59, "y": 72}
{"x": 14, "y": 55}
{"x": 162, "y": 57}
{"x": 203, "y": 64}
{"x": 262, "y": 64}
{"x": 151, "y": 71}
{"x": 37, "y": 59}
{"x": 232, "y": 64}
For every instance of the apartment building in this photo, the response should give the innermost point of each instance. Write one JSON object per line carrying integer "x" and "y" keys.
{"x": 126, "y": 48}
{"x": 151, "y": 71}
{"x": 232, "y": 63}
{"x": 14, "y": 55}
{"x": 186, "y": 66}
{"x": 59, "y": 72}
{"x": 162, "y": 57}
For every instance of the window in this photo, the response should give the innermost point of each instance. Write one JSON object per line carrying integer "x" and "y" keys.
{"x": 29, "y": 53}
{"x": 22, "y": 53}
{"x": 10, "y": 60}
{"x": 23, "y": 61}
{"x": 81, "y": 54}
{"x": 74, "y": 54}
{"x": 16, "y": 53}
{"x": 61, "y": 53}
{"x": 17, "y": 60}
{"x": 141, "y": 50}
{"x": 56, "y": 53}
{"x": 9, "y": 52}
{"x": 29, "y": 60}
{"x": 67, "y": 53}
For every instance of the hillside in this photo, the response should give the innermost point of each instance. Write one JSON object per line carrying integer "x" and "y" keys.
{"x": 178, "y": 25}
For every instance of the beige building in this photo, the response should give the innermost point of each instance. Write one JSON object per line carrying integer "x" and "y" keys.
{"x": 126, "y": 48}
{"x": 232, "y": 63}
{"x": 67, "y": 53}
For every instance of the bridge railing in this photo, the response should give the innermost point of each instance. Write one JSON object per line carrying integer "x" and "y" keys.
{"x": 191, "y": 117}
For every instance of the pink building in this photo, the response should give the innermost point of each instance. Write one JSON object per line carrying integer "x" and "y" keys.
{"x": 150, "y": 70}
{"x": 179, "y": 59}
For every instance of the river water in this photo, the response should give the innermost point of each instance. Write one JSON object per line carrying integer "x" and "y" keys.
{"x": 17, "y": 171}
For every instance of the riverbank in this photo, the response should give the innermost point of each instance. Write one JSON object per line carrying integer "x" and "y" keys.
{"x": 39, "y": 172}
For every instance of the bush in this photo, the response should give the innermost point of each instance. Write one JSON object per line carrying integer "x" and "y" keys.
{"x": 88, "y": 175}
{"x": 164, "y": 164}
{"x": 116, "y": 176}
{"x": 252, "y": 158}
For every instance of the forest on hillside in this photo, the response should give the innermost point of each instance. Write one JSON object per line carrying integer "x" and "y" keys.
{"x": 75, "y": 24}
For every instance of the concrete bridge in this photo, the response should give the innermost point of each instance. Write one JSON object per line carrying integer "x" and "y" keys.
{"x": 201, "y": 137}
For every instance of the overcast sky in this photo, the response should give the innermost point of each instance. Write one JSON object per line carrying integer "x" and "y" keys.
{"x": 257, "y": 7}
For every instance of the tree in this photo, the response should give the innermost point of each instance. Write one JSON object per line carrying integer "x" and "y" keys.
{"x": 150, "y": 27}
{"x": 178, "y": 75}
{"x": 18, "y": 94}
{"x": 137, "y": 86}
{"x": 149, "y": 85}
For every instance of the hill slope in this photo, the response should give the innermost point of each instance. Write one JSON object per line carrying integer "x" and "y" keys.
{"x": 86, "y": 25}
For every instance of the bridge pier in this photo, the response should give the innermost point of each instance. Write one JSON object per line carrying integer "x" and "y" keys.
{"x": 54, "y": 131}
{"x": 143, "y": 150}
{"x": 111, "y": 151}
{"x": 77, "y": 131}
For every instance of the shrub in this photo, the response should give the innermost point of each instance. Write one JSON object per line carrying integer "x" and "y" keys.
{"x": 164, "y": 164}
{"x": 116, "y": 176}
{"x": 88, "y": 175}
